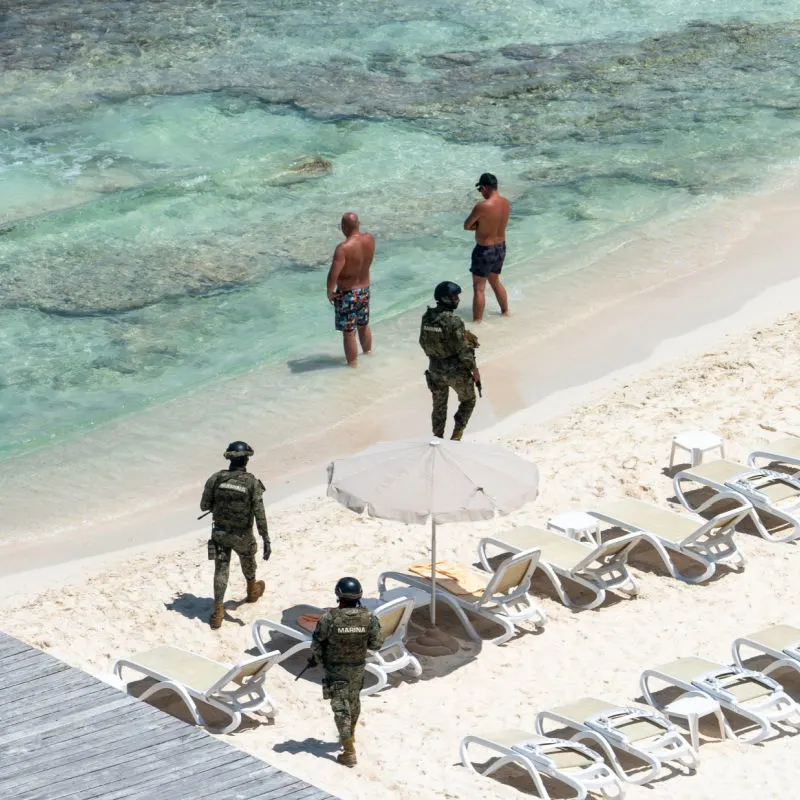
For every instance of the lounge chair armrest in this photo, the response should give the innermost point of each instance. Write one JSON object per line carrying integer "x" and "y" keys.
{"x": 403, "y": 579}
{"x": 491, "y": 541}
{"x": 662, "y": 677}
{"x": 612, "y": 550}
{"x": 716, "y": 683}
{"x": 744, "y": 504}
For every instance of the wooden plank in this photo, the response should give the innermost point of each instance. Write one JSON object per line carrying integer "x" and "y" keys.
{"x": 85, "y": 749}
{"x": 221, "y": 783}
{"x": 145, "y": 787}
{"x": 275, "y": 785}
{"x": 26, "y": 711}
{"x": 9, "y": 645}
{"x": 72, "y": 737}
{"x": 178, "y": 772}
{"x": 46, "y": 673}
{"x": 56, "y": 720}
{"x": 53, "y": 687}
{"x": 35, "y": 670}
{"x": 70, "y": 779}
{"x": 307, "y": 792}
{"x": 213, "y": 783}
{"x": 94, "y": 727}
{"x": 22, "y": 656}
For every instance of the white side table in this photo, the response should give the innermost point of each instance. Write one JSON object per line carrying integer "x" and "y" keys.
{"x": 696, "y": 443}
{"x": 577, "y": 525}
{"x": 693, "y": 705}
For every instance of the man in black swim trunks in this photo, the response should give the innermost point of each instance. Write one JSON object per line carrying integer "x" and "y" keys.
{"x": 488, "y": 219}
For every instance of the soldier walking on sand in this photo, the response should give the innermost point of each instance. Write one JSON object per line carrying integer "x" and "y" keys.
{"x": 234, "y": 496}
{"x": 488, "y": 219}
{"x": 340, "y": 643}
{"x": 348, "y": 287}
{"x": 451, "y": 360}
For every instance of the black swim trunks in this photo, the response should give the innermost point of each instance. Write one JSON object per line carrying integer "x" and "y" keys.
{"x": 488, "y": 259}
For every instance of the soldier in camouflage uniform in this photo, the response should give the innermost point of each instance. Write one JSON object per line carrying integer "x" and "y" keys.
{"x": 340, "y": 643}
{"x": 451, "y": 357}
{"x": 234, "y": 496}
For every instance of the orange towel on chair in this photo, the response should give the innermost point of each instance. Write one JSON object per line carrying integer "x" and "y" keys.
{"x": 308, "y": 621}
{"x": 453, "y": 577}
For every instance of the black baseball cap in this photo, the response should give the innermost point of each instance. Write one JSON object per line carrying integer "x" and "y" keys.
{"x": 487, "y": 179}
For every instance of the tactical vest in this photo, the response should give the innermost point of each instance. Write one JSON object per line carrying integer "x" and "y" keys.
{"x": 233, "y": 506}
{"x": 436, "y": 339}
{"x": 348, "y": 637}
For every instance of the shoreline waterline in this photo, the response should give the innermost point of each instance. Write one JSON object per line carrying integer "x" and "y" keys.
{"x": 753, "y": 282}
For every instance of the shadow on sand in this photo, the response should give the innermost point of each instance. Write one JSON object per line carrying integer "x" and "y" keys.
{"x": 314, "y": 363}
{"x": 193, "y": 607}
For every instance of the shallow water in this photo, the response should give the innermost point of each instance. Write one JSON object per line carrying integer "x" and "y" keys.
{"x": 174, "y": 174}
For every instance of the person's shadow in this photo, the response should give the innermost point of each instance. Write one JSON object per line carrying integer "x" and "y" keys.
{"x": 316, "y": 747}
{"x": 193, "y": 607}
{"x": 312, "y": 363}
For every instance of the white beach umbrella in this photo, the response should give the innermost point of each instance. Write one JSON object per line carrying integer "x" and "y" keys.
{"x": 420, "y": 479}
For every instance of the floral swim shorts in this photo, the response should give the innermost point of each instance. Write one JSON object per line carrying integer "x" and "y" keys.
{"x": 351, "y": 309}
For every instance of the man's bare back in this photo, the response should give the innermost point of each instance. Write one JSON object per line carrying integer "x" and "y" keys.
{"x": 348, "y": 287}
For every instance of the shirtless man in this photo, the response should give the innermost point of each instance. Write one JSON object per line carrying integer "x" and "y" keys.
{"x": 488, "y": 219}
{"x": 348, "y": 287}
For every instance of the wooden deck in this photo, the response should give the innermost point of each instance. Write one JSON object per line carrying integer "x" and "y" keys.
{"x": 65, "y": 734}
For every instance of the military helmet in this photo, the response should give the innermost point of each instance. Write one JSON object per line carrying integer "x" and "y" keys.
{"x": 348, "y": 589}
{"x": 446, "y": 289}
{"x": 238, "y": 450}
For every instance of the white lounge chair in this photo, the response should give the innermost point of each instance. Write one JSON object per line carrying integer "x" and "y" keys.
{"x": 770, "y": 492}
{"x": 781, "y": 451}
{"x": 502, "y": 596}
{"x": 596, "y": 568}
{"x": 781, "y": 642}
{"x": 641, "y": 732}
{"x": 392, "y": 657}
{"x": 570, "y": 763}
{"x": 705, "y": 542}
{"x": 750, "y": 694}
{"x": 231, "y": 689}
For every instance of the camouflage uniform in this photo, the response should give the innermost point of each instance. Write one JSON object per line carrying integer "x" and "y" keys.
{"x": 235, "y": 497}
{"x": 451, "y": 364}
{"x": 340, "y": 643}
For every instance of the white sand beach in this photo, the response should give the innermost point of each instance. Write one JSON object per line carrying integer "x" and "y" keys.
{"x": 614, "y": 445}
{"x": 594, "y": 405}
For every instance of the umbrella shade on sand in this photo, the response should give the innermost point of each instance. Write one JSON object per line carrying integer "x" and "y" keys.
{"x": 445, "y": 481}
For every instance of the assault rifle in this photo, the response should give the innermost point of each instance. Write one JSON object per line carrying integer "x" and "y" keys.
{"x": 312, "y": 662}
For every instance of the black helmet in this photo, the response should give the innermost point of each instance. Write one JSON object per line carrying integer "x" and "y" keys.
{"x": 348, "y": 589}
{"x": 238, "y": 450}
{"x": 446, "y": 289}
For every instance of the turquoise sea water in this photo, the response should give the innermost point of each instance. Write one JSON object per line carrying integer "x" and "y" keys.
{"x": 173, "y": 173}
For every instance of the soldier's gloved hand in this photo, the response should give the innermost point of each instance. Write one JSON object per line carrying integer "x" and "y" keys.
{"x": 267, "y": 549}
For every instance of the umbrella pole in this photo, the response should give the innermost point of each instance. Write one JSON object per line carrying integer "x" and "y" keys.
{"x": 433, "y": 571}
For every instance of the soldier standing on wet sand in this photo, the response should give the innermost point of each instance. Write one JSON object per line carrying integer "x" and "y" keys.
{"x": 234, "y": 496}
{"x": 451, "y": 360}
{"x": 340, "y": 643}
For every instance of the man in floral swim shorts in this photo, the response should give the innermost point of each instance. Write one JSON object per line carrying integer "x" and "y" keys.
{"x": 348, "y": 287}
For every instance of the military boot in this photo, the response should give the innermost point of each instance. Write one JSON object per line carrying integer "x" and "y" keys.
{"x": 217, "y": 616}
{"x": 457, "y": 434}
{"x": 254, "y": 590}
{"x": 348, "y": 757}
